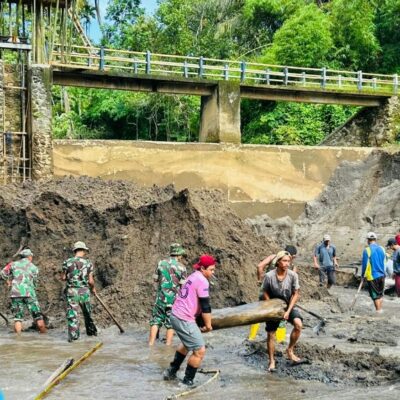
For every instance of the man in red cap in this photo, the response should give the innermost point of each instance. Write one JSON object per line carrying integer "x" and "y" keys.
{"x": 192, "y": 301}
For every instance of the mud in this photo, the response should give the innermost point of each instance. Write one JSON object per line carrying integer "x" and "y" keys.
{"x": 358, "y": 349}
{"x": 332, "y": 366}
{"x": 128, "y": 229}
{"x": 126, "y": 368}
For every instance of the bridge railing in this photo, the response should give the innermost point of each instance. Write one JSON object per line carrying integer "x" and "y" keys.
{"x": 99, "y": 58}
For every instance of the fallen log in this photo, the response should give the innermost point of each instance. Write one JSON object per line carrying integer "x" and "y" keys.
{"x": 247, "y": 314}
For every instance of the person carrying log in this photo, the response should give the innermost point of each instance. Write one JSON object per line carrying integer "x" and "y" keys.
{"x": 21, "y": 277}
{"x": 264, "y": 266}
{"x": 268, "y": 263}
{"x": 282, "y": 283}
{"x": 169, "y": 276}
{"x": 192, "y": 301}
{"x": 77, "y": 271}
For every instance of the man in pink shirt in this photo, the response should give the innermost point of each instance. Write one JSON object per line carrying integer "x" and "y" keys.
{"x": 192, "y": 300}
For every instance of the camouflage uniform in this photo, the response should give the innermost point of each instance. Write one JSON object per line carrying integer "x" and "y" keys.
{"x": 77, "y": 292}
{"x": 170, "y": 275}
{"x": 23, "y": 274}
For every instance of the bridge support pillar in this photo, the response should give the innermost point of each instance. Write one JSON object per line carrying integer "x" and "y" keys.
{"x": 40, "y": 81}
{"x": 220, "y": 114}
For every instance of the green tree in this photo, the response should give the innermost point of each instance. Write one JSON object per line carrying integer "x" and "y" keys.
{"x": 387, "y": 21}
{"x": 291, "y": 123}
{"x": 303, "y": 40}
{"x": 354, "y": 33}
{"x": 121, "y": 14}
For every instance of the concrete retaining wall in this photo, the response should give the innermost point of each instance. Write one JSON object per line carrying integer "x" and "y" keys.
{"x": 277, "y": 180}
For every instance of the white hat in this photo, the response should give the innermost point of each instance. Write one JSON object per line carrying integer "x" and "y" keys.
{"x": 326, "y": 238}
{"x": 371, "y": 235}
{"x": 79, "y": 246}
{"x": 26, "y": 253}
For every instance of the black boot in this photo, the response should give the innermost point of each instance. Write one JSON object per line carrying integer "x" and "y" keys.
{"x": 170, "y": 372}
{"x": 190, "y": 373}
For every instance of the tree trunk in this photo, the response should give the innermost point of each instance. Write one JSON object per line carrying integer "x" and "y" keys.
{"x": 248, "y": 314}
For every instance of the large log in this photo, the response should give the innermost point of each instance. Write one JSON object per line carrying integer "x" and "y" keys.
{"x": 248, "y": 314}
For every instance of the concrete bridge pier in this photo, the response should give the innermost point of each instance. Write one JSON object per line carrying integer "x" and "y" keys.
{"x": 40, "y": 120}
{"x": 220, "y": 114}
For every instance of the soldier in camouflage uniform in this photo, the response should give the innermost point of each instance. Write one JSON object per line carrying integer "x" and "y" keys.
{"x": 21, "y": 276}
{"x": 78, "y": 273}
{"x": 169, "y": 276}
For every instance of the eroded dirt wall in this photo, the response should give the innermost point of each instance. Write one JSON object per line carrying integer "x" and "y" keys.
{"x": 128, "y": 229}
{"x": 361, "y": 196}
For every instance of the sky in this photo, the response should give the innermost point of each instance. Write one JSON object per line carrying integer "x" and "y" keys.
{"x": 95, "y": 34}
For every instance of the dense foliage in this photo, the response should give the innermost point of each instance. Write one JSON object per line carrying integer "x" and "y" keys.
{"x": 343, "y": 34}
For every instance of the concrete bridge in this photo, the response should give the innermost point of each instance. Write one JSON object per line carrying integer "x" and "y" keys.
{"x": 26, "y": 145}
{"x": 220, "y": 83}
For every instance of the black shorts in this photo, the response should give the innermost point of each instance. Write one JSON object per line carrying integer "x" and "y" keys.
{"x": 376, "y": 288}
{"x": 273, "y": 325}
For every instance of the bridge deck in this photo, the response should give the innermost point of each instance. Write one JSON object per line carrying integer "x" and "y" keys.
{"x": 205, "y": 87}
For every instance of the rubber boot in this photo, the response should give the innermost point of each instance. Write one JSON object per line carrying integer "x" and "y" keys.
{"x": 190, "y": 373}
{"x": 170, "y": 372}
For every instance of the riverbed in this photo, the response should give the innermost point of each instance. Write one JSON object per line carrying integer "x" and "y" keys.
{"x": 126, "y": 368}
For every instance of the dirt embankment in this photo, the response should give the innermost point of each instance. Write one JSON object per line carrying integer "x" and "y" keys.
{"x": 128, "y": 229}
{"x": 361, "y": 196}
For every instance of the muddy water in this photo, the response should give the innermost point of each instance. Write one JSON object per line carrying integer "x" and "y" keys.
{"x": 125, "y": 368}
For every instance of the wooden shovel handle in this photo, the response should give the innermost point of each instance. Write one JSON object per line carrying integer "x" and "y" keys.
{"x": 355, "y": 296}
{"x": 121, "y": 329}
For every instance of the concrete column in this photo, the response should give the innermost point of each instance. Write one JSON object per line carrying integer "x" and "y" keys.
{"x": 2, "y": 99}
{"x": 40, "y": 81}
{"x": 371, "y": 126}
{"x": 220, "y": 114}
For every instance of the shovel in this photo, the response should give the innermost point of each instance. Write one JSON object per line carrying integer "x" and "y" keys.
{"x": 356, "y": 295}
{"x": 321, "y": 324}
{"x": 121, "y": 329}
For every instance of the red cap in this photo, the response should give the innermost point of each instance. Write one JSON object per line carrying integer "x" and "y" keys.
{"x": 205, "y": 261}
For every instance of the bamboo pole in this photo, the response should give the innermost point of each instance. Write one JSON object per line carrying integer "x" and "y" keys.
{"x": 56, "y": 381}
{"x": 66, "y": 364}
{"x": 53, "y": 32}
{"x": 215, "y": 373}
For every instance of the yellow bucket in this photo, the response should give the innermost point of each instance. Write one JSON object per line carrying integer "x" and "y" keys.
{"x": 281, "y": 334}
{"x": 253, "y": 331}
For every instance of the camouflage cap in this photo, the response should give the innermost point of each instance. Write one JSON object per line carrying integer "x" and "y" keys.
{"x": 79, "y": 246}
{"x": 176, "y": 249}
{"x": 26, "y": 253}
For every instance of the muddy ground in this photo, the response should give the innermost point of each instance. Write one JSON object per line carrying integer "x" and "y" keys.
{"x": 357, "y": 349}
{"x": 128, "y": 229}
{"x": 356, "y": 358}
